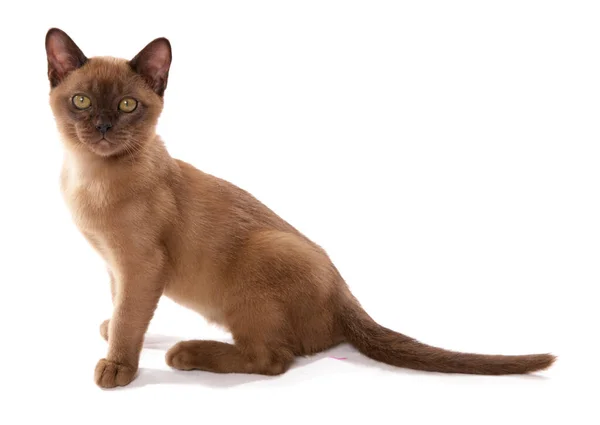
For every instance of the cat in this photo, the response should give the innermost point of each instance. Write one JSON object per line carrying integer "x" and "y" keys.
{"x": 164, "y": 227}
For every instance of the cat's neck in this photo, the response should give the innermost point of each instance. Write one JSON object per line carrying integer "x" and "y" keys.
{"x": 143, "y": 167}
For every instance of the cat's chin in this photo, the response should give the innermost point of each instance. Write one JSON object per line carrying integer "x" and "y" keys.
{"x": 104, "y": 148}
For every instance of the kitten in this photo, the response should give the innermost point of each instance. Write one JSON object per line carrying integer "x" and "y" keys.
{"x": 165, "y": 228}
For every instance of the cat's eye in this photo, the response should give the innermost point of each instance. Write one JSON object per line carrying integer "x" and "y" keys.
{"x": 128, "y": 104}
{"x": 81, "y": 102}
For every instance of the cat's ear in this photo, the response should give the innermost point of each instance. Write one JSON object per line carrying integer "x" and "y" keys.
{"x": 63, "y": 55}
{"x": 153, "y": 63}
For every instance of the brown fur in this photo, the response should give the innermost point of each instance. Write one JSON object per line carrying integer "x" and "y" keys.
{"x": 165, "y": 228}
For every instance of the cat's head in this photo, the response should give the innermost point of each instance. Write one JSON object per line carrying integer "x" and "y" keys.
{"x": 105, "y": 105}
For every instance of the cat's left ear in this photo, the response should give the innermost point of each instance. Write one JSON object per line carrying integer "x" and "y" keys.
{"x": 153, "y": 63}
{"x": 63, "y": 55}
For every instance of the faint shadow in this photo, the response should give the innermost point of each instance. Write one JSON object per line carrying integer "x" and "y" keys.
{"x": 148, "y": 376}
{"x": 348, "y": 354}
{"x": 160, "y": 342}
{"x": 340, "y": 353}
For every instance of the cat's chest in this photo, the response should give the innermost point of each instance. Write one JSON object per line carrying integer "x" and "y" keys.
{"x": 94, "y": 213}
{"x": 89, "y": 200}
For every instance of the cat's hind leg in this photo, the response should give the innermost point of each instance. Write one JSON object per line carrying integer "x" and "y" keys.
{"x": 261, "y": 342}
{"x": 220, "y": 357}
{"x": 278, "y": 305}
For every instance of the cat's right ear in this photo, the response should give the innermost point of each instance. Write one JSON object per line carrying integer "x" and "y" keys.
{"x": 63, "y": 55}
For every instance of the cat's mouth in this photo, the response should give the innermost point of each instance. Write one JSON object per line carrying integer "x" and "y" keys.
{"x": 103, "y": 140}
{"x": 103, "y": 146}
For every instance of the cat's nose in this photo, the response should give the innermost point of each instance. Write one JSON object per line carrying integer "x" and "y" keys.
{"x": 104, "y": 127}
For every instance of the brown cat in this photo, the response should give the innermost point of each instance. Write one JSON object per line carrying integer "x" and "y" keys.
{"x": 164, "y": 227}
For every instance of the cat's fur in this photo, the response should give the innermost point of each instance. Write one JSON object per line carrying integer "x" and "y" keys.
{"x": 165, "y": 228}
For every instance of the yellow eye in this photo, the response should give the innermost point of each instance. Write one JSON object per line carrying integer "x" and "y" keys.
{"x": 128, "y": 104}
{"x": 81, "y": 102}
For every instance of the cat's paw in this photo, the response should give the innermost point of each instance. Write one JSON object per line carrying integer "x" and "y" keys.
{"x": 179, "y": 357}
{"x": 104, "y": 329}
{"x": 110, "y": 374}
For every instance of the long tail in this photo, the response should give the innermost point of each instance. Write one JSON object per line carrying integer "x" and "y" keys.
{"x": 387, "y": 346}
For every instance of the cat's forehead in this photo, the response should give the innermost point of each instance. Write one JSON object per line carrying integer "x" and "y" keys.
{"x": 106, "y": 76}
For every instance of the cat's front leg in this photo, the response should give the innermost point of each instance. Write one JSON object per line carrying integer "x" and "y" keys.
{"x": 104, "y": 325}
{"x": 138, "y": 287}
{"x": 104, "y": 329}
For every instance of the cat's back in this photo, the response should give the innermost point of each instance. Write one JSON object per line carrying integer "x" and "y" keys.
{"x": 222, "y": 203}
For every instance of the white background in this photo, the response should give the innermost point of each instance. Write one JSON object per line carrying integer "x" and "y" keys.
{"x": 446, "y": 155}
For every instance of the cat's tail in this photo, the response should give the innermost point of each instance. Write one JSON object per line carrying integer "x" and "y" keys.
{"x": 387, "y": 346}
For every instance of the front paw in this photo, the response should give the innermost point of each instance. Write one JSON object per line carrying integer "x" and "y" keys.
{"x": 104, "y": 329}
{"x": 110, "y": 374}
